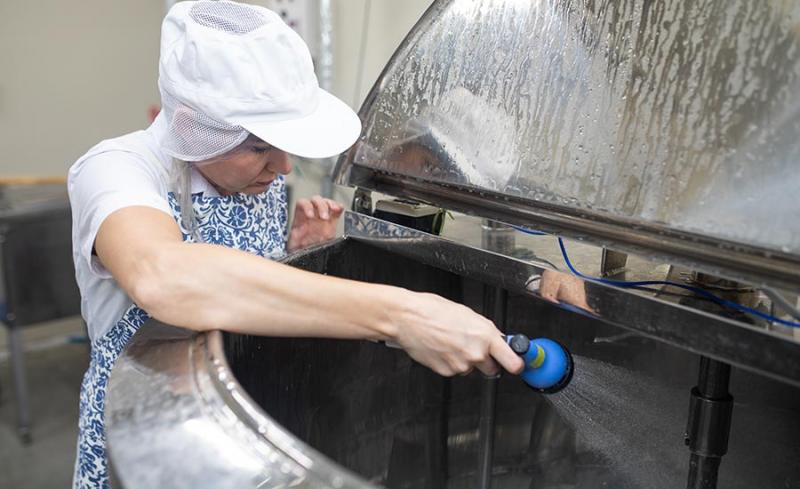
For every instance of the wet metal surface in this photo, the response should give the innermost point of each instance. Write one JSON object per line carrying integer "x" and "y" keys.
{"x": 621, "y": 424}
{"x": 176, "y": 417}
{"x": 676, "y": 122}
{"x": 678, "y": 319}
{"x": 225, "y": 410}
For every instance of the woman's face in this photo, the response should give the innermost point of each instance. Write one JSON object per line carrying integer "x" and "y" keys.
{"x": 249, "y": 168}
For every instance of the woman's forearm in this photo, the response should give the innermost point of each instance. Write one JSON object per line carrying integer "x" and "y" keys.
{"x": 200, "y": 286}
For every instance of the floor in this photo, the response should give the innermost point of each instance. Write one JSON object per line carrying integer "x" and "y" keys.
{"x": 55, "y": 364}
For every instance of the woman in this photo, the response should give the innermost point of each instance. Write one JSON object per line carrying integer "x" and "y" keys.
{"x": 174, "y": 222}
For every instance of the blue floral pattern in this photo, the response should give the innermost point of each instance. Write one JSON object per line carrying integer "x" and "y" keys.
{"x": 241, "y": 221}
{"x": 253, "y": 223}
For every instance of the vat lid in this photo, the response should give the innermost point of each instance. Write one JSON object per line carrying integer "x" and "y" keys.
{"x": 662, "y": 128}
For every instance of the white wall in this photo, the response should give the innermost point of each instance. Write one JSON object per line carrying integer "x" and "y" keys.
{"x": 73, "y": 73}
{"x": 389, "y": 22}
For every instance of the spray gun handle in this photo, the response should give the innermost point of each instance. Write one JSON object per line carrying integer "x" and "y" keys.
{"x": 519, "y": 343}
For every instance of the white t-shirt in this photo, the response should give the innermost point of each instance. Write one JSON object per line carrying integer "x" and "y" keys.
{"x": 130, "y": 170}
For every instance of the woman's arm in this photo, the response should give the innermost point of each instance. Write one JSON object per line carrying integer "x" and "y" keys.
{"x": 201, "y": 286}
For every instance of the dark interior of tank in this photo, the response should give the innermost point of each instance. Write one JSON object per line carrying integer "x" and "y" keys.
{"x": 619, "y": 424}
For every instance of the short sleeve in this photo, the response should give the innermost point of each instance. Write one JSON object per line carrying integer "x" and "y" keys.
{"x": 104, "y": 183}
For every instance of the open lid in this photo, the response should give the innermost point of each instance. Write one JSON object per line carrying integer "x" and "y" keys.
{"x": 665, "y": 128}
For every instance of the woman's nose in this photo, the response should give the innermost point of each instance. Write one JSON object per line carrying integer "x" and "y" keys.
{"x": 279, "y": 162}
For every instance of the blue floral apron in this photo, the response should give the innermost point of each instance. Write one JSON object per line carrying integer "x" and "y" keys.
{"x": 254, "y": 223}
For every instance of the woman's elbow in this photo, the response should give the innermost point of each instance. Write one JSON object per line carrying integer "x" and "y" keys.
{"x": 166, "y": 287}
{"x": 147, "y": 293}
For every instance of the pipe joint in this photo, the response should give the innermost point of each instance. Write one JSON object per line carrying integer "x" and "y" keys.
{"x": 709, "y": 424}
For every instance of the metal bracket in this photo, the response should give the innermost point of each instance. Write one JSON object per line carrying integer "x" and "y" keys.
{"x": 362, "y": 201}
{"x": 613, "y": 263}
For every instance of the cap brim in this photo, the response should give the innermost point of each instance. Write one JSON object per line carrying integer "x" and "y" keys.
{"x": 327, "y": 131}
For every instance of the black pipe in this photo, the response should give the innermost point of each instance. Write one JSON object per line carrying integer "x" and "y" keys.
{"x": 495, "y": 304}
{"x": 486, "y": 432}
{"x": 709, "y": 423}
{"x": 438, "y": 431}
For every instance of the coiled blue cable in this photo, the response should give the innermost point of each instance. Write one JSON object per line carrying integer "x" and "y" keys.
{"x": 643, "y": 283}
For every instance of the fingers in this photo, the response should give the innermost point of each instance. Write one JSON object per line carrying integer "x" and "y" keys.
{"x": 479, "y": 355}
{"x": 452, "y": 339}
{"x": 336, "y": 208}
{"x": 320, "y": 208}
{"x": 487, "y": 357}
{"x": 304, "y": 207}
{"x": 504, "y": 355}
{"x": 488, "y": 367}
{"x": 465, "y": 364}
{"x": 315, "y": 221}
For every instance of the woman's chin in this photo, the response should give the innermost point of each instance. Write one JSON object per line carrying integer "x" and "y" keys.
{"x": 255, "y": 189}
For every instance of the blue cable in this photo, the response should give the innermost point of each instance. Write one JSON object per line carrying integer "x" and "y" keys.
{"x": 528, "y": 231}
{"x": 696, "y": 290}
{"x": 632, "y": 285}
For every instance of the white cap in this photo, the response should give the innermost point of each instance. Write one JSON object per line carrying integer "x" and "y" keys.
{"x": 229, "y": 69}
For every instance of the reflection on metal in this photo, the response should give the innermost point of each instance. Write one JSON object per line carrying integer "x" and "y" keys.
{"x": 177, "y": 418}
{"x": 225, "y": 410}
{"x": 682, "y": 323}
{"x": 497, "y": 237}
{"x": 612, "y": 263}
{"x": 325, "y": 67}
{"x": 325, "y": 63}
{"x": 670, "y": 128}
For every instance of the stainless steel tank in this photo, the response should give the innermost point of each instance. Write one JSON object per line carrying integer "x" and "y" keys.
{"x": 665, "y": 129}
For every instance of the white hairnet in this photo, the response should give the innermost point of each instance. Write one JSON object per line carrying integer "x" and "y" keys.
{"x": 192, "y": 135}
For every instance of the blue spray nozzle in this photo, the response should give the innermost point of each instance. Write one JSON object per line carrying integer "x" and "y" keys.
{"x": 548, "y": 365}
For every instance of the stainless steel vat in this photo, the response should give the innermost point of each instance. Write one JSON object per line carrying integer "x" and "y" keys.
{"x": 221, "y": 410}
{"x": 667, "y": 129}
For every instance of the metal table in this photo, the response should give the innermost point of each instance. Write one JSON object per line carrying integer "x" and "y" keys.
{"x": 38, "y": 276}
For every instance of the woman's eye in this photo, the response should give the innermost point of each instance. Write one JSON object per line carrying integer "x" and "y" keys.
{"x": 260, "y": 149}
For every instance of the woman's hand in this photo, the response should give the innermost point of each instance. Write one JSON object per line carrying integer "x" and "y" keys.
{"x": 450, "y": 338}
{"x": 560, "y": 287}
{"x": 315, "y": 221}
